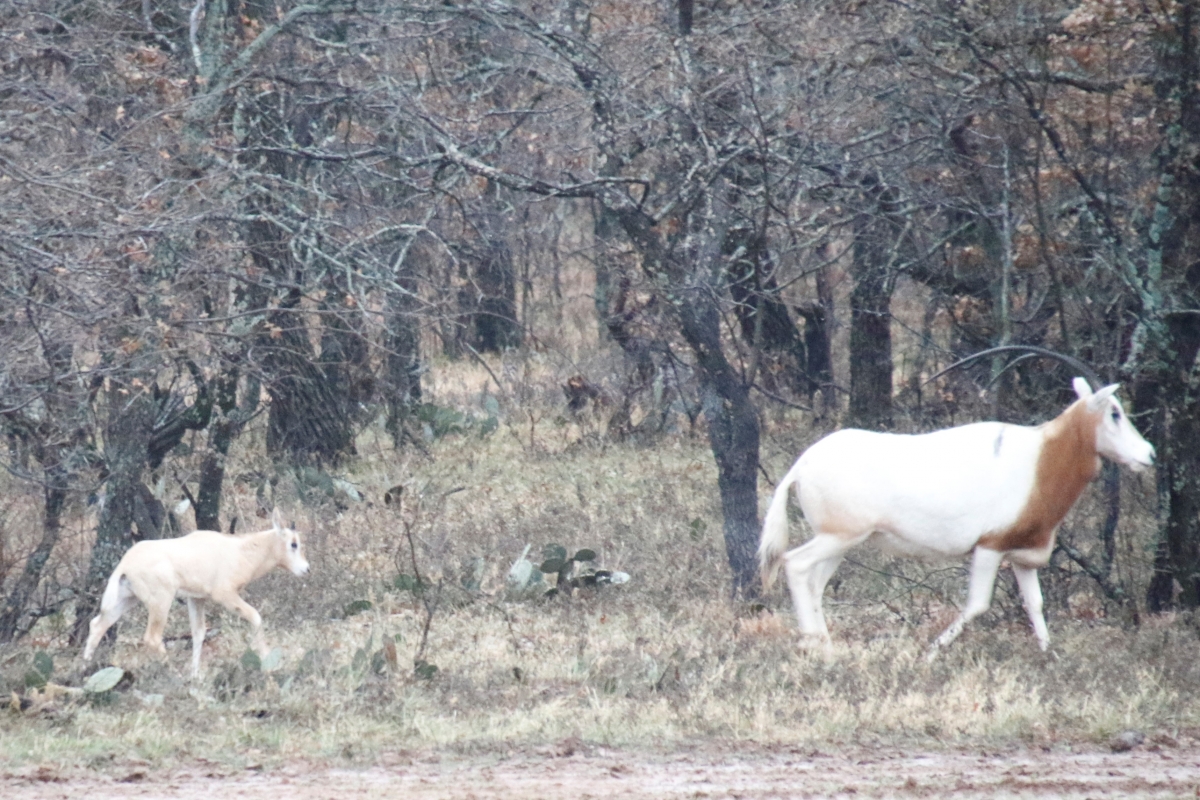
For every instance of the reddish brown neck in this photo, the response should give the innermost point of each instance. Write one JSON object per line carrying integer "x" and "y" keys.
{"x": 1067, "y": 462}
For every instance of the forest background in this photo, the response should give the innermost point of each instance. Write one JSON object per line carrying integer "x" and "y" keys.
{"x": 362, "y": 259}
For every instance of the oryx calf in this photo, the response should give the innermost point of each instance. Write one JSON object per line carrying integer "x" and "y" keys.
{"x": 204, "y": 565}
{"x": 993, "y": 489}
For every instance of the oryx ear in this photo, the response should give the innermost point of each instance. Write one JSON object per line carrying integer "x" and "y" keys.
{"x": 1082, "y": 388}
{"x": 1101, "y": 398}
{"x": 276, "y": 521}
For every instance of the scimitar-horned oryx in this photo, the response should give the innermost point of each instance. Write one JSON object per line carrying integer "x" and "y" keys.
{"x": 992, "y": 489}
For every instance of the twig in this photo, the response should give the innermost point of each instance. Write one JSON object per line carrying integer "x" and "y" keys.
{"x": 475, "y": 354}
{"x": 780, "y": 400}
{"x": 194, "y": 19}
{"x": 937, "y": 592}
{"x": 1112, "y": 591}
{"x": 512, "y": 631}
{"x": 430, "y": 605}
{"x": 430, "y": 609}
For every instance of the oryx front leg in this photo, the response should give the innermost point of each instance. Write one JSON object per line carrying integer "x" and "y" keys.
{"x": 233, "y": 602}
{"x": 984, "y": 566}
{"x": 1031, "y": 593}
{"x": 196, "y": 618}
{"x": 808, "y": 569}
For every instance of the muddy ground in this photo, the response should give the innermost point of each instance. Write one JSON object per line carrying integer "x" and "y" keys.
{"x": 576, "y": 770}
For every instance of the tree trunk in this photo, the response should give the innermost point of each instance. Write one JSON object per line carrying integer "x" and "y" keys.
{"x": 402, "y": 365}
{"x": 484, "y": 316}
{"x": 345, "y": 353}
{"x": 126, "y": 442}
{"x": 690, "y": 266}
{"x": 733, "y": 434}
{"x": 1177, "y": 559}
{"x": 496, "y": 325}
{"x": 311, "y": 418}
{"x": 308, "y": 422}
{"x": 1179, "y": 245}
{"x": 1166, "y": 343}
{"x": 875, "y": 243}
{"x": 623, "y": 319}
{"x": 225, "y": 429}
{"x": 54, "y": 460}
{"x": 55, "y": 493}
{"x": 762, "y": 316}
{"x": 818, "y": 338}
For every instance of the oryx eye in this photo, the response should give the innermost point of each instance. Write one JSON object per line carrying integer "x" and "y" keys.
{"x": 295, "y": 545}
{"x": 1116, "y": 415}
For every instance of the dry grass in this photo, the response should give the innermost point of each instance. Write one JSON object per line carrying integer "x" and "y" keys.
{"x": 664, "y": 660}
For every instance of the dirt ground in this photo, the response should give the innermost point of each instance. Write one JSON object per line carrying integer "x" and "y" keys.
{"x": 576, "y": 770}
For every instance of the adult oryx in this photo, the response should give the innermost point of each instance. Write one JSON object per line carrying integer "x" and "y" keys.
{"x": 997, "y": 490}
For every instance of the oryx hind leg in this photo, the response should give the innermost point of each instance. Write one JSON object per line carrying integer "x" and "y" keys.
{"x": 818, "y": 580}
{"x": 106, "y": 619}
{"x": 808, "y": 569}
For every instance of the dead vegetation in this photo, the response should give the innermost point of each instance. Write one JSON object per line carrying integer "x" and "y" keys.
{"x": 406, "y": 633}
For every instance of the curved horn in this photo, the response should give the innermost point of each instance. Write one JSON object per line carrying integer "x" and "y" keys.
{"x": 1083, "y": 369}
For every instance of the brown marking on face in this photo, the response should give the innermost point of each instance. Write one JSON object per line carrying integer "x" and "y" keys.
{"x": 1066, "y": 464}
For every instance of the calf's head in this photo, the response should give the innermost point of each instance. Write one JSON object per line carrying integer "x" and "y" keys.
{"x": 293, "y": 548}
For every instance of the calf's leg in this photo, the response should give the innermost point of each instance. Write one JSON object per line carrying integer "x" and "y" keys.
{"x": 106, "y": 619}
{"x": 196, "y": 618}
{"x": 156, "y": 624}
{"x": 233, "y": 602}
